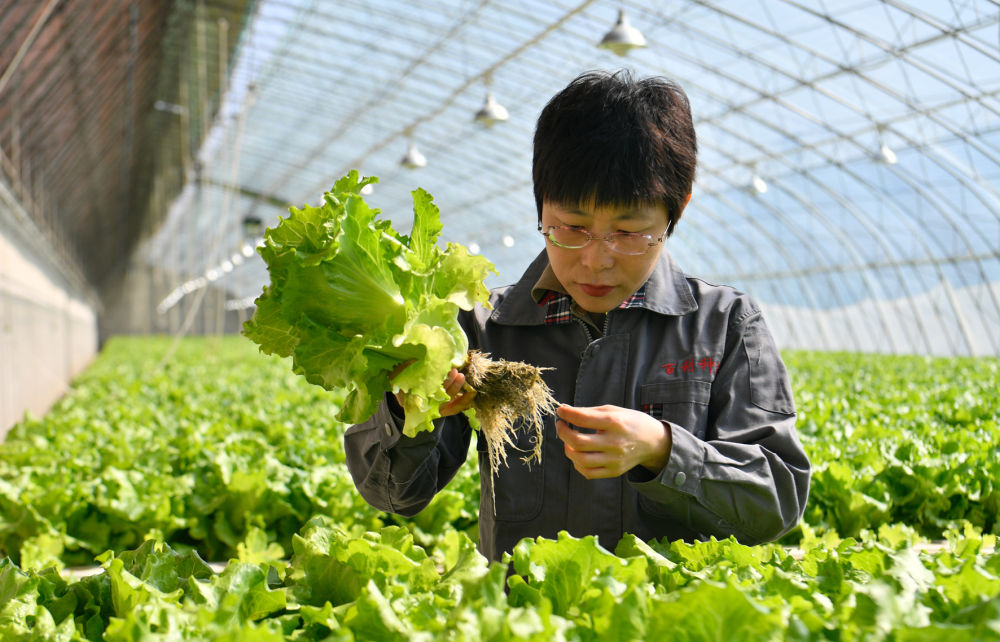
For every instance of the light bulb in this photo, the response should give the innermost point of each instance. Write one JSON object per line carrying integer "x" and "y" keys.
{"x": 623, "y": 37}
{"x": 492, "y": 112}
{"x": 413, "y": 158}
{"x": 886, "y": 155}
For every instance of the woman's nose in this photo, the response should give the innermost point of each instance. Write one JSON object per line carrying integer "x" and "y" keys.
{"x": 597, "y": 255}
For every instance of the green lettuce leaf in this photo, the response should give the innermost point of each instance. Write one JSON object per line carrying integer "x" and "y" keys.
{"x": 330, "y": 565}
{"x": 350, "y": 299}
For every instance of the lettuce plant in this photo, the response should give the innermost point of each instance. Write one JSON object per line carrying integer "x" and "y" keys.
{"x": 350, "y": 299}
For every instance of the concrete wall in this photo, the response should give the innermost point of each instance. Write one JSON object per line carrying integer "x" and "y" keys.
{"x": 131, "y": 299}
{"x": 48, "y": 326}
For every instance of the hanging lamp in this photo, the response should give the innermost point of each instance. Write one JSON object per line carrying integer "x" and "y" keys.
{"x": 252, "y": 226}
{"x": 491, "y": 112}
{"x": 413, "y": 158}
{"x": 757, "y": 184}
{"x": 623, "y": 37}
{"x": 885, "y": 153}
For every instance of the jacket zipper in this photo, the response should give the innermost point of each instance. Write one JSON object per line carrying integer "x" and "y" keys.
{"x": 586, "y": 327}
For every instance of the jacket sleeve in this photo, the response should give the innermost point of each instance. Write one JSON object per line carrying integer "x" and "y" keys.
{"x": 750, "y": 476}
{"x": 400, "y": 474}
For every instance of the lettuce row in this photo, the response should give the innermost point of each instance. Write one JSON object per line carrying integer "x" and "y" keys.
{"x": 381, "y": 585}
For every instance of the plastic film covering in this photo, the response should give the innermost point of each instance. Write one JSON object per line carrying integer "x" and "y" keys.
{"x": 849, "y": 151}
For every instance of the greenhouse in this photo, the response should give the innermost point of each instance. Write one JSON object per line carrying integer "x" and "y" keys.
{"x": 201, "y": 199}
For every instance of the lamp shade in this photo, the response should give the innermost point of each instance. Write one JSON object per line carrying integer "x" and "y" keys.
{"x": 491, "y": 112}
{"x": 413, "y": 158}
{"x": 623, "y": 37}
{"x": 886, "y": 155}
{"x": 252, "y": 227}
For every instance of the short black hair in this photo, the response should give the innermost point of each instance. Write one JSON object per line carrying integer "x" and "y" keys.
{"x": 611, "y": 139}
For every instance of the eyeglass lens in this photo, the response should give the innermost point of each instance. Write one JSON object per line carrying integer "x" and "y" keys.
{"x": 621, "y": 242}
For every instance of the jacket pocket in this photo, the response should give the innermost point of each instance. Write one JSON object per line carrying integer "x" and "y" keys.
{"x": 769, "y": 386}
{"x": 684, "y": 403}
{"x": 516, "y": 492}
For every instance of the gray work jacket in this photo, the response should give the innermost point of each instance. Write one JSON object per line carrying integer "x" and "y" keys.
{"x": 694, "y": 355}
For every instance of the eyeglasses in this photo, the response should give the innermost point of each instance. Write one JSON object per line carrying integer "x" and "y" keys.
{"x": 575, "y": 238}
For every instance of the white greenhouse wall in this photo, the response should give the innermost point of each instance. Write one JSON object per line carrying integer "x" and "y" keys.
{"x": 48, "y": 330}
{"x": 941, "y": 322}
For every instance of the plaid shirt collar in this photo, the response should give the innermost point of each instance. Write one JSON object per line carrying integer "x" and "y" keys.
{"x": 559, "y": 305}
{"x": 666, "y": 292}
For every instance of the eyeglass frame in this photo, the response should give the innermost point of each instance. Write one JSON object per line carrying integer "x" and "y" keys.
{"x": 653, "y": 240}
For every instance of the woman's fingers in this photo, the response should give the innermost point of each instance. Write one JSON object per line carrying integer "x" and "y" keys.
{"x": 453, "y": 382}
{"x": 594, "y": 418}
{"x": 460, "y": 394}
{"x": 578, "y": 441}
{"x": 609, "y": 440}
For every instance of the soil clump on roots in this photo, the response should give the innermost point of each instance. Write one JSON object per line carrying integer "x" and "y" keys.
{"x": 510, "y": 395}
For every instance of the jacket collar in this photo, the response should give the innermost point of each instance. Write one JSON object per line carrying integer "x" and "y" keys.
{"x": 667, "y": 292}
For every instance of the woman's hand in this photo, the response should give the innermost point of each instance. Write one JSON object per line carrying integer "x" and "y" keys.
{"x": 460, "y": 395}
{"x": 623, "y": 439}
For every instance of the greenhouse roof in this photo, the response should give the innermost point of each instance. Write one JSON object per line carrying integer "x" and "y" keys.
{"x": 849, "y": 149}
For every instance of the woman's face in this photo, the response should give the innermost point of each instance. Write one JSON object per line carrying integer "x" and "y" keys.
{"x": 598, "y": 278}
